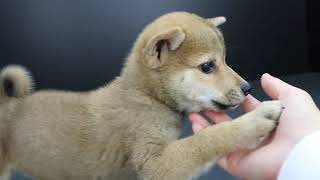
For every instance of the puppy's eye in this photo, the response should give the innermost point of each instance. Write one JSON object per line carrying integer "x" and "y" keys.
{"x": 207, "y": 67}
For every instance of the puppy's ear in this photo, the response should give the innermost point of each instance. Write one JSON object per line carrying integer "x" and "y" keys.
{"x": 158, "y": 46}
{"x": 217, "y": 21}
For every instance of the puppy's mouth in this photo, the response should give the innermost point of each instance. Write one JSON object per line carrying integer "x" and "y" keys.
{"x": 223, "y": 107}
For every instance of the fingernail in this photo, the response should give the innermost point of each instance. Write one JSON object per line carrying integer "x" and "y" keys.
{"x": 267, "y": 74}
{"x": 196, "y": 128}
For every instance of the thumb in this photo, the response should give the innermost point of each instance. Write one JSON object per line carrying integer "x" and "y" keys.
{"x": 274, "y": 87}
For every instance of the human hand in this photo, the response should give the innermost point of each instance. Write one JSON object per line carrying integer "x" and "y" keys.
{"x": 299, "y": 118}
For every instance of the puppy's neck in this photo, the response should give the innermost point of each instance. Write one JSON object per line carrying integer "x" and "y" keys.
{"x": 146, "y": 81}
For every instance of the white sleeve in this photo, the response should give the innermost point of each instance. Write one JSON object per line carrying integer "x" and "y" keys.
{"x": 303, "y": 162}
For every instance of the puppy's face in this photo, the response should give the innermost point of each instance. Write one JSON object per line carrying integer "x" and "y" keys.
{"x": 189, "y": 57}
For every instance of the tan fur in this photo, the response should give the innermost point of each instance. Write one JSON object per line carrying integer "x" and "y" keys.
{"x": 129, "y": 129}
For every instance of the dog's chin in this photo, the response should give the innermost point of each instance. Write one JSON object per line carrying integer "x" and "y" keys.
{"x": 216, "y": 107}
{"x": 221, "y": 107}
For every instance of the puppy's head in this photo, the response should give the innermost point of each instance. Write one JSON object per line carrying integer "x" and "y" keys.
{"x": 186, "y": 55}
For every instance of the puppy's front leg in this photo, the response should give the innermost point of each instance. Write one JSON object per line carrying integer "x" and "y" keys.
{"x": 185, "y": 158}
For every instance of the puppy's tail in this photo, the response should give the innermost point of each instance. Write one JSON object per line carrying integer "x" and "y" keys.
{"x": 15, "y": 81}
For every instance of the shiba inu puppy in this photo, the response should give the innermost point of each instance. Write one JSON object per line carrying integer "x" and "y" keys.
{"x": 129, "y": 129}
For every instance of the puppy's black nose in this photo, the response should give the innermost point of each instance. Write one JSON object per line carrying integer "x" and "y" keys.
{"x": 245, "y": 88}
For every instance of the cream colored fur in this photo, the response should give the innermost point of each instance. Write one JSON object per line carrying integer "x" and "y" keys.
{"x": 129, "y": 129}
{"x": 21, "y": 77}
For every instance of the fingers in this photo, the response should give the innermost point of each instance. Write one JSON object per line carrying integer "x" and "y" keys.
{"x": 217, "y": 117}
{"x": 249, "y": 103}
{"x": 198, "y": 122}
{"x": 274, "y": 87}
{"x": 197, "y": 127}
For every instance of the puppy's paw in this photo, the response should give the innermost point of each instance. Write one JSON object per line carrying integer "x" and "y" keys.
{"x": 261, "y": 122}
{"x": 269, "y": 110}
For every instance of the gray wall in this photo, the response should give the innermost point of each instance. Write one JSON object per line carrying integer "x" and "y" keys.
{"x": 91, "y": 38}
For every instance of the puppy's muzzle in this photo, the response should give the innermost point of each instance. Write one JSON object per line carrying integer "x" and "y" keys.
{"x": 245, "y": 88}
{"x": 224, "y": 106}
